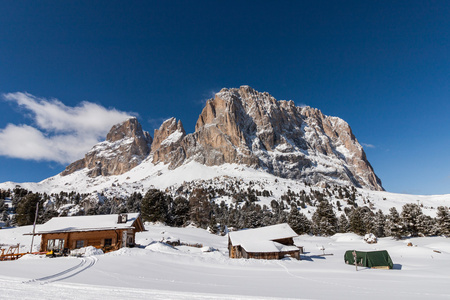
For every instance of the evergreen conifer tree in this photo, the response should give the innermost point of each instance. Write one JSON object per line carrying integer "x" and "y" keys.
{"x": 380, "y": 222}
{"x": 443, "y": 220}
{"x": 213, "y": 225}
{"x": 356, "y": 222}
{"x": 369, "y": 220}
{"x": 200, "y": 209}
{"x": 425, "y": 225}
{"x": 393, "y": 226}
{"x": 410, "y": 218}
{"x": 324, "y": 219}
{"x": 252, "y": 219}
{"x": 343, "y": 224}
{"x": 180, "y": 211}
{"x": 154, "y": 207}
{"x": 26, "y": 209}
{"x": 298, "y": 221}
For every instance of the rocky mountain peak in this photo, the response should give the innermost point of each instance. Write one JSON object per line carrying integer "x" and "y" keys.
{"x": 130, "y": 128}
{"x": 243, "y": 126}
{"x": 169, "y": 128}
{"x": 125, "y": 147}
{"x": 167, "y": 140}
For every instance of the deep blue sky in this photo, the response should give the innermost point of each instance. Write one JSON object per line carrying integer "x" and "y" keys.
{"x": 382, "y": 66}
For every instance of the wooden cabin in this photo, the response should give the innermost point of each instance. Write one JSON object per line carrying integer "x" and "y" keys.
{"x": 107, "y": 232}
{"x": 270, "y": 242}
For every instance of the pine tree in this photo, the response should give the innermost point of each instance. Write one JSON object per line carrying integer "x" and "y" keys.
{"x": 425, "y": 225}
{"x": 267, "y": 217}
{"x": 213, "y": 225}
{"x": 443, "y": 220}
{"x": 133, "y": 202}
{"x": 380, "y": 222}
{"x": 200, "y": 209}
{"x": 252, "y": 219}
{"x": 48, "y": 214}
{"x": 356, "y": 222}
{"x": 5, "y": 216}
{"x": 26, "y": 209}
{"x": 343, "y": 224}
{"x": 410, "y": 218}
{"x": 3, "y": 206}
{"x": 180, "y": 211}
{"x": 154, "y": 207}
{"x": 393, "y": 226}
{"x": 369, "y": 220}
{"x": 298, "y": 221}
{"x": 324, "y": 219}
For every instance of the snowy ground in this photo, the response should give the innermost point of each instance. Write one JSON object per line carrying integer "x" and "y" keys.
{"x": 157, "y": 271}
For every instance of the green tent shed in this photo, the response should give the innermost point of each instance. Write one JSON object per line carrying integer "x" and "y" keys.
{"x": 371, "y": 259}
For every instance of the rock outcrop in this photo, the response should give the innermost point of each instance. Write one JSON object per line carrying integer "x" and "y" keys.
{"x": 166, "y": 143}
{"x": 242, "y": 126}
{"x": 125, "y": 147}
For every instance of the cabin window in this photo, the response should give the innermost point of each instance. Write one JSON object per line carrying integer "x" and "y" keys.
{"x": 108, "y": 242}
{"x": 55, "y": 244}
{"x": 79, "y": 244}
{"x": 50, "y": 245}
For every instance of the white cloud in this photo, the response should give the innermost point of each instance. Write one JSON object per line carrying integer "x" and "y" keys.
{"x": 367, "y": 145}
{"x": 60, "y": 133}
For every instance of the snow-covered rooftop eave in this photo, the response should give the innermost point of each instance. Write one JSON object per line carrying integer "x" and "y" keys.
{"x": 257, "y": 235}
{"x": 79, "y": 230}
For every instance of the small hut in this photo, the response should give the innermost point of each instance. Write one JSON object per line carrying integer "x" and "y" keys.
{"x": 107, "y": 232}
{"x": 270, "y": 242}
{"x": 370, "y": 259}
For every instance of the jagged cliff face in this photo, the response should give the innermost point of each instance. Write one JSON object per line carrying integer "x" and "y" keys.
{"x": 166, "y": 144}
{"x": 125, "y": 147}
{"x": 243, "y": 126}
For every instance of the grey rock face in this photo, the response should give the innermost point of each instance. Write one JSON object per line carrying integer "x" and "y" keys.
{"x": 125, "y": 147}
{"x": 242, "y": 126}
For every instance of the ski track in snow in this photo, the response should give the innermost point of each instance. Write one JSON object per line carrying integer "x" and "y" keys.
{"x": 12, "y": 289}
{"x": 156, "y": 273}
{"x": 85, "y": 263}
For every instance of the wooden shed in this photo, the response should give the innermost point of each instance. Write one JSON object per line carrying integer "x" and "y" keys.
{"x": 270, "y": 242}
{"x": 107, "y": 232}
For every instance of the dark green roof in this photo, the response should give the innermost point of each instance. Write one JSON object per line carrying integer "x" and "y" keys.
{"x": 369, "y": 259}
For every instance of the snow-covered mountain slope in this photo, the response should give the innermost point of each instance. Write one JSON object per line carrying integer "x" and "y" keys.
{"x": 194, "y": 175}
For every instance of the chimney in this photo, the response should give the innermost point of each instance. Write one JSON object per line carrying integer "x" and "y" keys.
{"x": 123, "y": 218}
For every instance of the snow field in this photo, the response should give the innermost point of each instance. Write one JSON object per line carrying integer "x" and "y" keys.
{"x": 159, "y": 271}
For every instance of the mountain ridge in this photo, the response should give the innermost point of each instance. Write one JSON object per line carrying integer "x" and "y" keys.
{"x": 242, "y": 126}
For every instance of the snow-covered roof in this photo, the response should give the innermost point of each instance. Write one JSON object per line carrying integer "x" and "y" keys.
{"x": 261, "y": 239}
{"x": 86, "y": 223}
{"x": 267, "y": 246}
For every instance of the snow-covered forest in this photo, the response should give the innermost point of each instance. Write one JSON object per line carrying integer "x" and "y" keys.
{"x": 319, "y": 211}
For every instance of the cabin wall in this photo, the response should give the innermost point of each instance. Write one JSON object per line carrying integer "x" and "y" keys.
{"x": 89, "y": 238}
{"x": 293, "y": 254}
{"x": 235, "y": 251}
{"x": 261, "y": 255}
{"x": 270, "y": 255}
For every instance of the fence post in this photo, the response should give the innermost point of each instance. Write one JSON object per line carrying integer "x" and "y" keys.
{"x": 34, "y": 226}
